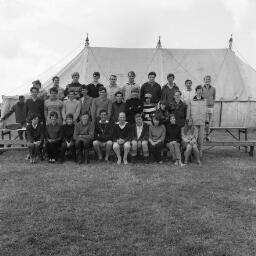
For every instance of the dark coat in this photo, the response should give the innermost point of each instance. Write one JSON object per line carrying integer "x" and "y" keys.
{"x": 144, "y": 134}
{"x": 180, "y": 112}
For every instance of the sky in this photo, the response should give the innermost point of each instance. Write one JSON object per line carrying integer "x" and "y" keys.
{"x": 38, "y": 37}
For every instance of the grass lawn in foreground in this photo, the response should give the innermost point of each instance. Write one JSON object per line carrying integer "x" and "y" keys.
{"x": 103, "y": 209}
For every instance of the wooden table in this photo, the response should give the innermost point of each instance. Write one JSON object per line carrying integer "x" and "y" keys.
{"x": 231, "y": 129}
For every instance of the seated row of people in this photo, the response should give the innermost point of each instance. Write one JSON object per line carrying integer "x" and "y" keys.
{"x": 105, "y": 136}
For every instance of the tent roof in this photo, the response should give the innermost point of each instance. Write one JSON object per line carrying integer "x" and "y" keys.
{"x": 231, "y": 77}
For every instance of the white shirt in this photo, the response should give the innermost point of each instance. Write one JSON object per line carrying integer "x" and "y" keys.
{"x": 187, "y": 96}
{"x": 139, "y": 130}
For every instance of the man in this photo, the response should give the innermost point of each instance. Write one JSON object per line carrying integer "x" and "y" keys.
{"x": 86, "y": 101}
{"x": 71, "y": 106}
{"x": 187, "y": 94}
{"x": 42, "y": 93}
{"x": 117, "y": 107}
{"x": 140, "y": 138}
{"x": 103, "y": 136}
{"x": 133, "y": 105}
{"x": 121, "y": 138}
{"x": 74, "y": 86}
{"x": 198, "y": 112}
{"x": 83, "y": 135}
{"x": 53, "y": 104}
{"x": 68, "y": 143}
{"x": 52, "y": 137}
{"x": 151, "y": 87}
{"x": 209, "y": 93}
{"x": 56, "y": 84}
{"x": 20, "y": 114}
{"x": 179, "y": 109}
{"x": 102, "y": 102}
{"x": 168, "y": 90}
{"x": 34, "y": 105}
{"x": 35, "y": 137}
{"x": 127, "y": 88}
{"x": 113, "y": 88}
{"x": 93, "y": 88}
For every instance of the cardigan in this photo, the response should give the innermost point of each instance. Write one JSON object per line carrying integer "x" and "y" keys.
{"x": 35, "y": 134}
{"x": 103, "y": 131}
{"x": 121, "y": 133}
{"x": 144, "y": 134}
{"x": 157, "y": 132}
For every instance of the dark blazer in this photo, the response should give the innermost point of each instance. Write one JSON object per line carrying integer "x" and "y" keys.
{"x": 144, "y": 134}
{"x": 103, "y": 132}
{"x": 180, "y": 112}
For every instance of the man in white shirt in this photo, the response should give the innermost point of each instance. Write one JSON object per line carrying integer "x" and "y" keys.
{"x": 127, "y": 88}
{"x": 188, "y": 94}
{"x": 113, "y": 88}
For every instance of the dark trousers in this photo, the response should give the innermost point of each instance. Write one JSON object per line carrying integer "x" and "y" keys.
{"x": 82, "y": 149}
{"x": 52, "y": 149}
{"x": 64, "y": 148}
{"x": 155, "y": 151}
{"x": 34, "y": 150}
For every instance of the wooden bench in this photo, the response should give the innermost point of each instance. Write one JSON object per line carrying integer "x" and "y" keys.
{"x": 7, "y": 145}
{"x": 236, "y": 143}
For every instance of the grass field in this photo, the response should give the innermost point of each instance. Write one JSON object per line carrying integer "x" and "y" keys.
{"x": 102, "y": 209}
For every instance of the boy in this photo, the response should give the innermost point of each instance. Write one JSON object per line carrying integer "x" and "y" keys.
{"x": 86, "y": 101}
{"x": 71, "y": 106}
{"x": 52, "y": 137}
{"x": 127, "y": 88}
{"x": 68, "y": 143}
{"x": 133, "y": 105}
{"x": 103, "y": 136}
{"x": 168, "y": 90}
{"x": 74, "y": 86}
{"x": 113, "y": 88}
{"x": 163, "y": 114}
{"x": 149, "y": 109}
{"x": 117, "y": 107}
{"x": 93, "y": 88}
{"x": 83, "y": 135}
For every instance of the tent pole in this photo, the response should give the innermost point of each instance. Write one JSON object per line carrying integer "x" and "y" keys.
{"x": 220, "y": 113}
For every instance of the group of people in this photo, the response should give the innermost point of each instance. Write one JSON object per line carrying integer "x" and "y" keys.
{"x": 134, "y": 120}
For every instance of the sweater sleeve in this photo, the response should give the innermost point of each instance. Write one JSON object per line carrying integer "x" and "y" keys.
{"x": 162, "y": 138}
{"x": 12, "y": 110}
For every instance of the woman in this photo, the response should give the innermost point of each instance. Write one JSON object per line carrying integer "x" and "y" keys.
{"x": 189, "y": 134}
{"x": 156, "y": 139}
{"x": 173, "y": 139}
{"x": 35, "y": 138}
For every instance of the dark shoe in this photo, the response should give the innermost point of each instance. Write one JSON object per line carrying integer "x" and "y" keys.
{"x": 133, "y": 160}
{"x": 146, "y": 159}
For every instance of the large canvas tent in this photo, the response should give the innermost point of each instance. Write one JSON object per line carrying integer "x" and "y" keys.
{"x": 234, "y": 80}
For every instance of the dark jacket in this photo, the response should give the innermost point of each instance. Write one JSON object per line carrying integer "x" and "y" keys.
{"x": 116, "y": 109}
{"x": 119, "y": 133}
{"x": 93, "y": 91}
{"x": 180, "y": 112}
{"x": 154, "y": 90}
{"x": 167, "y": 94}
{"x": 67, "y": 132}
{"x": 164, "y": 116}
{"x": 53, "y": 132}
{"x": 144, "y": 134}
{"x": 20, "y": 112}
{"x": 173, "y": 133}
{"x": 133, "y": 106}
{"x": 34, "y": 107}
{"x": 36, "y": 134}
{"x": 103, "y": 131}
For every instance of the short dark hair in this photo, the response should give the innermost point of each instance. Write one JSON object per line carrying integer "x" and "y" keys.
{"x": 119, "y": 92}
{"x": 21, "y": 97}
{"x": 33, "y": 88}
{"x": 33, "y": 116}
{"x": 171, "y": 75}
{"x": 54, "y": 114}
{"x": 84, "y": 87}
{"x": 96, "y": 74}
{"x": 152, "y": 74}
{"x": 188, "y": 80}
{"x": 53, "y": 89}
{"x": 131, "y": 73}
{"x": 55, "y": 77}
{"x": 85, "y": 114}
{"x": 103, "y": 111}
{"x": 113, "y": 76}
{"x": 69, "y": 115}
{"x": 75, "y": 74}
{"x": 137, "y": 115}
{"x": 199, "y": 87}
{"x": 102, "y": 88}
{"x": 37, "y": 82}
